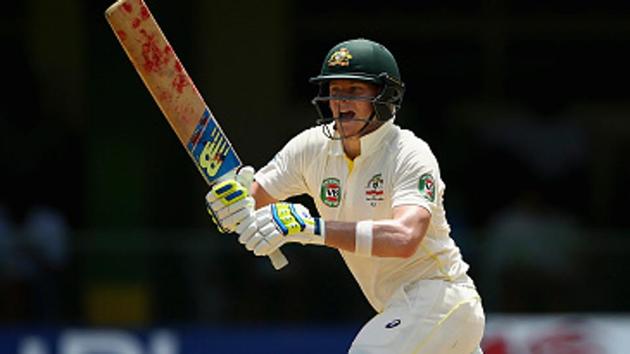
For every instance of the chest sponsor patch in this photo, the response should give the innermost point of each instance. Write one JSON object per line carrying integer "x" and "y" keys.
{"x": 426, "y": 186}
{"x": 374, "y": 190}
{"x": 330, "y": 192}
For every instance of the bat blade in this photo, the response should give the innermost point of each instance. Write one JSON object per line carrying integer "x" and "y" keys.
{"x": 175, "y": 93}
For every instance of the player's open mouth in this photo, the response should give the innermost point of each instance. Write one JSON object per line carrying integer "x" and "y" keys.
{"x": 346, "y": 115}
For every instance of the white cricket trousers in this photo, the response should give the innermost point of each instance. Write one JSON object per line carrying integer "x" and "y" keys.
{"x": 426, "y": 317}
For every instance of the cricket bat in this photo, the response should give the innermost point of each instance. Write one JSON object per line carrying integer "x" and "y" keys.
{"x": 176, "y": 94}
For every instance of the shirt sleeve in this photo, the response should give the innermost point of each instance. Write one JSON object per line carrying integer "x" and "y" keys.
{"x": 416, "y": 180}
{"x": 283, "y": 176}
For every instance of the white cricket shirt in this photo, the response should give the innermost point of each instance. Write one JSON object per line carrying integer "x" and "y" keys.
{"x": 395, "y": 168}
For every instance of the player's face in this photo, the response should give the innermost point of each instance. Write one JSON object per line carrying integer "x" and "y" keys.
{"x": 353, "y": 111}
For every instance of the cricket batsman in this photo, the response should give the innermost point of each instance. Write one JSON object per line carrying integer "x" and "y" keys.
{"x": 379, "y": 192}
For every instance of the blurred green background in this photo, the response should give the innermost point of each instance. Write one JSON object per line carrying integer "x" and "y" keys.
{"x": 102, "y": 218}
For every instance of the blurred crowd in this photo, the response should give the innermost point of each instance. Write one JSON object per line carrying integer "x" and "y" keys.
{"x": 34, "y": 256}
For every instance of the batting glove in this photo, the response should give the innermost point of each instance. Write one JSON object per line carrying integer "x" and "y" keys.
{"x": 229, "y": 202}
{"x": 280, "y": 223}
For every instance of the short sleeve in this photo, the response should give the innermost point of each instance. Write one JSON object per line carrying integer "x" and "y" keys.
{"x": 416, "y": 180}
{"x": 283, "y": 176}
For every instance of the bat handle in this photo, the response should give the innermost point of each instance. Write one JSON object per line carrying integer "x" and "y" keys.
{"x": 278, "y": 260}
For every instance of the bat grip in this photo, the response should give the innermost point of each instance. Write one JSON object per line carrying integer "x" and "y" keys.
{"x": 278, "y": 260}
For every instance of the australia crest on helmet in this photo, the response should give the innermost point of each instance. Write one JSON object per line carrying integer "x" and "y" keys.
{"x": 340, "y": 57}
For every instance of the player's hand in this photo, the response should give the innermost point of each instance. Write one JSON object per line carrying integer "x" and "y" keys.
{"x": 229, "y": 202}
{"x": 279, "y": 223}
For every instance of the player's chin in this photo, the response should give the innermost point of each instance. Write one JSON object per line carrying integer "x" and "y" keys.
{"x": 348, "y": 128}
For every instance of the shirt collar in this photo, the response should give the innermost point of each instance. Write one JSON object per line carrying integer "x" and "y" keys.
{"x": 369, "y": 143}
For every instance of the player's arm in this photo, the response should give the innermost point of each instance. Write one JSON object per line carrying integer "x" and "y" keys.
{"x": 261, "y": 196}
{"x": 396, "y": 237}
{"x": 279, "y": 223}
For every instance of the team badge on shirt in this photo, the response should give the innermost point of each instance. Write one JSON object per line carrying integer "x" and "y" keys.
{"x": 427, "y": 187}
{"x": 374, "y": 190}
{"x": 330, "y": 192}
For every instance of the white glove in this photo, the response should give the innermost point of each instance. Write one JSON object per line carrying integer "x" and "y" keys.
{"x": 279, "y": 223}
{"x": 229, "y": 202}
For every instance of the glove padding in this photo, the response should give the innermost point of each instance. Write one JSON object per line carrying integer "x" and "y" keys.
{"x": 280, "y": 223}
{"x": 229, "y": 202}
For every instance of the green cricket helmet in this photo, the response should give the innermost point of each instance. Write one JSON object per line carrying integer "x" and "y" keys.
{"x": 363, "y": 60}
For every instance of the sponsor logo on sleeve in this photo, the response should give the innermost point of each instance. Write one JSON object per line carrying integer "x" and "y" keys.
{"x": 330, "y": 192}
{"x": 426, "y": 186}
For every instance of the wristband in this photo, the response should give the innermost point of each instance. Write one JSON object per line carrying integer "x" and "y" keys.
{"x": 363, "y": 238}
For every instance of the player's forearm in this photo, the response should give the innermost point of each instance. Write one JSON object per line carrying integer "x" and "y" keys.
{"x": 390, "y": 238}
{"x": 261, "y": 196}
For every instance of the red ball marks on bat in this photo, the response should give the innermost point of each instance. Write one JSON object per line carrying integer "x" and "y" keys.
{"x": 181, "y": 80}
{"x": 165, "y": 96}
{"x": 178, "y": 67}
{"x": 135, "y": 23}
{"x": 168, "y": 50}
{"x": 154, "y": 58}
{"x": 127, "y": 7}
{"x": 168, "y": 53}
{"x": 122, "y": 35}
{"x": 186, "y": 114}
{"x": 144, "y": 13}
